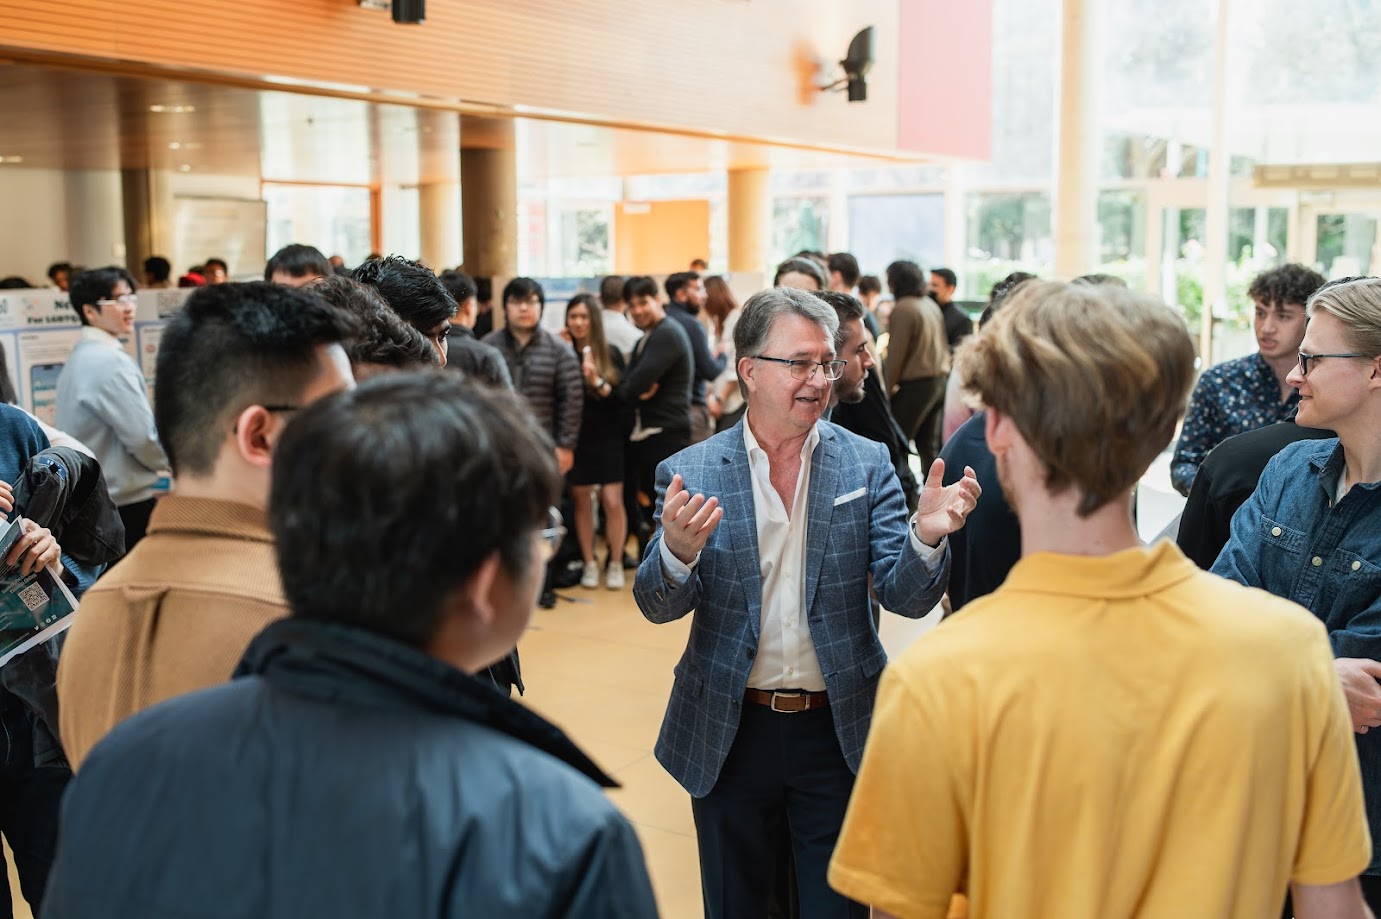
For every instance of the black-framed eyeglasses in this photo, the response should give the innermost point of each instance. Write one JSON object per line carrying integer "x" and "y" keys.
{"x": 803, "y": 370}
{"x": 1304, "y": 358}
{"x": 553, "y": 534}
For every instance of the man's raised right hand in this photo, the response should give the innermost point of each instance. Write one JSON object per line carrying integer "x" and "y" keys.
{"x": 687, "y": 521}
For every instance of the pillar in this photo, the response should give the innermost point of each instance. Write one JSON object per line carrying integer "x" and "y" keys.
{"x": 148, "y": 217}
{"x": 1216, "y": 215}
{"x": 750, "y": 219}
{"x": 489, "y": 197}
{"x": 438, "y": 219}
{"x": 1078, "y": 146}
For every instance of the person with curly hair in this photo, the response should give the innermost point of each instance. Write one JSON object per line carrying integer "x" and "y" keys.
{"x": 1249, "y": 392}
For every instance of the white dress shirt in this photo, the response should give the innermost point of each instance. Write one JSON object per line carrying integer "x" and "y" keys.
{"x": 786, "y": 656}
{"x": 621, "y": 333}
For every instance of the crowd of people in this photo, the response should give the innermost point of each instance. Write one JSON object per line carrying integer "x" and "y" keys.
{"x": 289, "y": 687}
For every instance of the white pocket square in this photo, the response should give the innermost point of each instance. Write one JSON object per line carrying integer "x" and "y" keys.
{"x": 851, "y": 496}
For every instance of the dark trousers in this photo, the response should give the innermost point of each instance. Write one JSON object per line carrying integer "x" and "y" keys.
{"x": 784, "y": 771}
{"x": 640, "y": 475}
{"x": 135, "y": 517}
{"x": 919, "y": 407}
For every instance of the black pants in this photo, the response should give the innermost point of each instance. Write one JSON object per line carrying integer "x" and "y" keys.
{"x": 640, "y": 475}
{"x": 919, "y": 407}
{"x": 783, "y": 771}
{"x": 136, "y": 520}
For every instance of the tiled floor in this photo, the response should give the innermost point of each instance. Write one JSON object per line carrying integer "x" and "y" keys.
{"x": 602, "y": 672}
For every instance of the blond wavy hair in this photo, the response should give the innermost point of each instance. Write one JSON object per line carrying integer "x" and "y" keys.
{"x": 1095, "y": 379}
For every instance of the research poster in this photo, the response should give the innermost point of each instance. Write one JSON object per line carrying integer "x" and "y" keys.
{"x": 38, "y": 329}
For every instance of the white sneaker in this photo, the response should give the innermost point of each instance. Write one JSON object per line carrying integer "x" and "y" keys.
{"x": 613, "y": 578}
{"x": 590, "y": 579}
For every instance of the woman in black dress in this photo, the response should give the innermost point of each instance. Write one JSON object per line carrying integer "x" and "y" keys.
{"x": 599, "y": 452}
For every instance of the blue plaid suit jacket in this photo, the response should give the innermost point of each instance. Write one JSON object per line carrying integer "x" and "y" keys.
{"x": 857, "y": 527}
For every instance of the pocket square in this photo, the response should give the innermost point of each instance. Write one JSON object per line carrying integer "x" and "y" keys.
{"x": 851, "y": 496}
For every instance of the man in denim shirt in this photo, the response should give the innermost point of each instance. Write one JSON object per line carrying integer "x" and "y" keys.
{"x": 1311, "y": 532}
{"x": 1250, "y": 392}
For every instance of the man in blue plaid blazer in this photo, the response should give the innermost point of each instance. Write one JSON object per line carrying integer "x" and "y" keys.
{"x": 773, "y": 697}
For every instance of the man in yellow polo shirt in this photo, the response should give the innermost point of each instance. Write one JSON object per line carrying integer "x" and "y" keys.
{"x": 1113, "y": 733}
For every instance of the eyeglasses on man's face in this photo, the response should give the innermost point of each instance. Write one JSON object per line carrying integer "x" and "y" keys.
{"x": 122, "y": 300}
{"x": 552, "y": 535}
{"x": 1305, "y": 359}
{"x": 803, "y": 370}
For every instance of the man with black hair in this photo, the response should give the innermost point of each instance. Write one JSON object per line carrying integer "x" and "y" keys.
{"x": 544, "y": 369}
{"x": 296, "y": 265}
{"x": 861, "y": 404}
{"x": 236, "y": 364}
{"x": 157, "y": 272}
{"x": 466, "y": 352}
{"x": 415, "y": 293}
{"x": 1249, "y": 392}
{"x": 844, "y": 273}
{"x": 619, "y": 330}
{"x": 101, "y": 400}
{"x": 216, "y": 271}
{"x": 356, "y": 750}
{"x": 844, "y": 277}
{"x": 658, "y": 386}
{"x": 958, "y": 325}
{"x": 685, "y": 299}
{"x": 59, "y": 273}
{"x": 383, "y": 342}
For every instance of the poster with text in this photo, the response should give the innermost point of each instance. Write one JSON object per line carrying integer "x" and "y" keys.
{"x": 41, "y": 309}
{"x": 10, "y": 344}
{"x": 147, "y": 336}
{"x": 41, "y": 357}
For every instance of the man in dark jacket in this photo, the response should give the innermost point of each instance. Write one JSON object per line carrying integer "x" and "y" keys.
{"x": 356, "y": 768}
{"x": 685, "y": 298}
{"x": 543, "y": 368}
{"x": 658, "y": 386}
{"x": 467, "y": 353}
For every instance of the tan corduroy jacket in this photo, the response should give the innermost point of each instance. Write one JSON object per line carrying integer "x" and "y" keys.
{"x": 173, "y": 616}
{"x": 919, "y": 348}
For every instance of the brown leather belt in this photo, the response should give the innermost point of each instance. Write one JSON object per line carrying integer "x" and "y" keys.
{"x": 787, "y": 701}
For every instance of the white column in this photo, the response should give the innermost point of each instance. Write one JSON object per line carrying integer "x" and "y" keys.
{"x": 1078, "y": 138}
{"x": 1219, "y": 185}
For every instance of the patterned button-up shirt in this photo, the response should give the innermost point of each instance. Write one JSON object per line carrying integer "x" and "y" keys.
{"x": 1232, "y": 398}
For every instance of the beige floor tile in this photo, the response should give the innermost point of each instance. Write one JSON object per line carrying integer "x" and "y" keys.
{"x": 674, "y": 865}
{"x": 652, "y": 798}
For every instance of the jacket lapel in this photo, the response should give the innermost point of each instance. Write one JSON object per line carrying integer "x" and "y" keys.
{"x": 824, "y": 475}
{"x": 741, "y": 519}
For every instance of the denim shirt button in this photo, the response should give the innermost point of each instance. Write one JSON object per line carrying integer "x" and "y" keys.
{"x": 1317, "y": 561}
{"x": 1275, "y": 531}
{"x": 1356, "y": 566}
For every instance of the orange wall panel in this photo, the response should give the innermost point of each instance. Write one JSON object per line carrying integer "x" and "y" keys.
{"x": 659, "y": 237}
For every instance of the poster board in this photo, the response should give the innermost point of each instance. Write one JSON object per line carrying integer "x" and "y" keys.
{"x": 38, "y": 329}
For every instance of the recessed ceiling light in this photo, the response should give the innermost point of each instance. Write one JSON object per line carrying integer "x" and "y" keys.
{"x": 184, "y": 168}
{"x": 172, "y": 109}
{"x": 174, "y": 146}
{"x": 11, "y": 159}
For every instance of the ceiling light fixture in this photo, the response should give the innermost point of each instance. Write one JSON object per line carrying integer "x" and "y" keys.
{"x": 172, "y": 109}
{"x": 11, "y": 160}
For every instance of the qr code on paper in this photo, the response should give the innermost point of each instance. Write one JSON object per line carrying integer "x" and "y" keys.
{"x": 34, "y": 597}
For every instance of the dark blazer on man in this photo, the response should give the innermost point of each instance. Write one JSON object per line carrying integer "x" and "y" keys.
{"x": 857, "y": 528}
